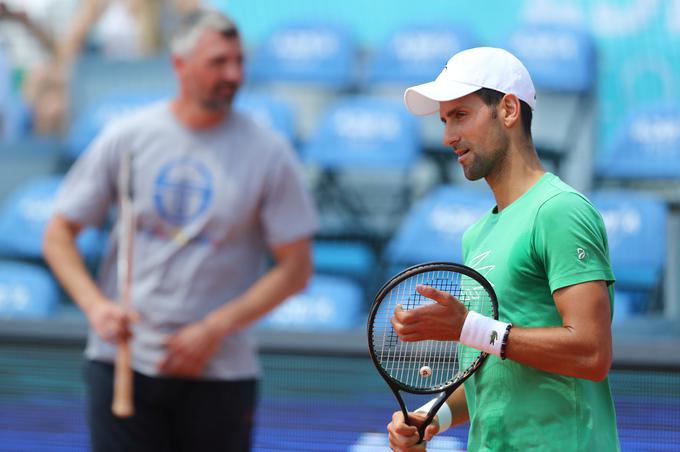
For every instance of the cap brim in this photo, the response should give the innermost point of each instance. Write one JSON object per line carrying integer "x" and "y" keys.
{"x": 424, "y": 99}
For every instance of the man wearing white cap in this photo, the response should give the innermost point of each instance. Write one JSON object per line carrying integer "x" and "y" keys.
{"x": 544, "y": 249}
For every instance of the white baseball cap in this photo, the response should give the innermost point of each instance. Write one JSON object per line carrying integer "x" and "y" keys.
{"x": 468, "y": 71}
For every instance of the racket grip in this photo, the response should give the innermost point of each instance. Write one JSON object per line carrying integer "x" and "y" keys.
{"x": 122, "y": 405}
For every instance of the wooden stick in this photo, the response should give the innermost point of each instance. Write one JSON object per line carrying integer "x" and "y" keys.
{"x": 123, "y": 405}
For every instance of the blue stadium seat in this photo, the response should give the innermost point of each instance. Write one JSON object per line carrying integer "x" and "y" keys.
{"x": 433, "y": 229}
{"x": 94, "y": 117}
{"x": 361, "y": 154}
{"x": 24, "y": 216}
{"x": 411, "y": 55}
{"x": 363, "y": 132}
{"x": 414, "y": 54}
{"x": 269, "y": 112}
{"x": 562, "y": 63}
{"x": 558, "y": 57}
{"x": 97, "y": 78}
{"x": 347, "y": 258}
{"x": 636, "y": 224}
{"x": 646, "y": 146}
{"x": 329, "y": 303}
{"x": 307, "y": 64}
{"x": 25, "y": 159}
{"x": 26, "y": 291}
{"x": 305, "y": 52}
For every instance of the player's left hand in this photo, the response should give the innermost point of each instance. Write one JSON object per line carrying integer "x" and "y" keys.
{"x": 440, "y": 321}
{"x": 189, "y": 350}
{"x": 404, "y": 437}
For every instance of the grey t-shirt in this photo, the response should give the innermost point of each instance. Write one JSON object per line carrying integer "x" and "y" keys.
{"x": 209, "y": 204}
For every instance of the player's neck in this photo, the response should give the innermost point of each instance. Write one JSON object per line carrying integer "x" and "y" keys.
{"x": 517, "y": 174}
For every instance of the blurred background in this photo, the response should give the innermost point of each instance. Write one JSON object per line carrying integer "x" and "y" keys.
{"x": 329, "y": 75}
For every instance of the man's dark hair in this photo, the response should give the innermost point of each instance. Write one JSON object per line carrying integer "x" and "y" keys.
{"x": 491, "y": 98}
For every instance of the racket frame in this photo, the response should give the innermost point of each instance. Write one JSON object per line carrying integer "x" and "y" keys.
{"x": 446, "y": 389}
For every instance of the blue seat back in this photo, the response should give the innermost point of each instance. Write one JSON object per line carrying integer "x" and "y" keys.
{"x": 26, "y": 291}
{"x": 329, "y": 303}
{"x": 414, "y": 54}
{"x": 645, "y": 146}
{"x": 24, "y": 216}
{"x": 94, "y": 118}
{"x": 558, "y": 57}
{"x": 269, "y": 112}
{"x": 433, "y": 229}
{"x": 306, "y": 52}
{"x": 636, "y": 226}
{"x": 343, "y": 257}
{"x": 364, "y": 132}
{"x": 25, "y": 159}
{"x": 97, "y": 78}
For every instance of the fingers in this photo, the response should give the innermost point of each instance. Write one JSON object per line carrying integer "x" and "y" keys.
{"x": 430, "y": 431}
{"x": 117, "y": 331}
{"x": 413, "y": 315}
{"x": 405, "y": 324}
{"x": 171, "y": 364}
{"x": 401, "y": 436}
{"x": 123, "y": 320}
{"x": 131, "y": 315}
{"x": 435, "y": 294}
{"x": 441, "y": 320}
{"x": 113, "y": 323}
{"x": 186, "y": 353}
{"x": 179, "y": 365}
{"x": 407, "y": 333}
{"x": 405, "y": 438}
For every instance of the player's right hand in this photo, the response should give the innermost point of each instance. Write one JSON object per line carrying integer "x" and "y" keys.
{"x": 111, "y": 322}
{"x": 404, "y": 437}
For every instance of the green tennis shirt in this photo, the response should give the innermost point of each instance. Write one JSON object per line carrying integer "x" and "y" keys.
{"x": 551, "y": 237}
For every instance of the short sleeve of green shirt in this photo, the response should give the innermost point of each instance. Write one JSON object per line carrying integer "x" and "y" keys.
{"x": 571, "y": 241}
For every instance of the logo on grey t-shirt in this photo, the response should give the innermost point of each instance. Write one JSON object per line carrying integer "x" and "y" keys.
{"x": 183, "y": 189}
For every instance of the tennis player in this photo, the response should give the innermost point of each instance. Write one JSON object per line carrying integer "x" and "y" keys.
{"x": 215, "y": 195}
{"x": 543, "y": 247}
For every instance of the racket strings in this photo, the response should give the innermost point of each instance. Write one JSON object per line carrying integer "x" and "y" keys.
{"x": 426, "y": 365}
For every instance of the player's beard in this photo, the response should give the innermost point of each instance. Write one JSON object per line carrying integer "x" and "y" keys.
{"x": 490, "y": 160}
{"x": 221, "y": 97}
{"x": 482, "y": 164}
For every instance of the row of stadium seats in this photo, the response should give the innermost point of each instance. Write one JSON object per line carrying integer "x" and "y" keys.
{"x": 303, "y": 80}
{"x": 360, "y": 149}
{"x": 370, "y": 131}
{"x": 362, "y": 159}
{"x": 308, "y": 66}
{"x": 337, "y": 298}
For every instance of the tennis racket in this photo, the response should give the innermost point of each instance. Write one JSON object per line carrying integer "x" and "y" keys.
{"x": 122, "y": 405}
{"x": 426, "y": 367}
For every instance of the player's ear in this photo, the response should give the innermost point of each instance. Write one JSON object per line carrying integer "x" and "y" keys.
{"x": 178, "y": 63}
{"x": 509, "y": 110}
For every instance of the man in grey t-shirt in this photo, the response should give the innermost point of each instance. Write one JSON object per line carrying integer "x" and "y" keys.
{"x": 215, "y": 195}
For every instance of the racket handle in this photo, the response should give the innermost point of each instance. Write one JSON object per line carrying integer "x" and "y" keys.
{"x": 122, "y": 405}
{"x": 421, "y": 434}
{"x": 421, "y": 428}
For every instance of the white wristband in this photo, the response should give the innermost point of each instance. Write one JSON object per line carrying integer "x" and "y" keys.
{"x": 444, "y": 414}
{"x": 483, "y": 333}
